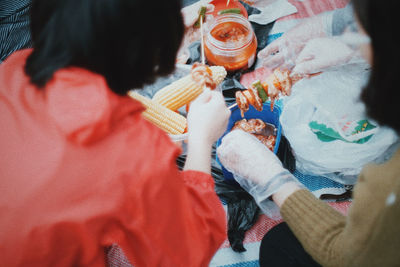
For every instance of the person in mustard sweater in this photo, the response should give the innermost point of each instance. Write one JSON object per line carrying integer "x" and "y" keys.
{"x": 315, "y": 234}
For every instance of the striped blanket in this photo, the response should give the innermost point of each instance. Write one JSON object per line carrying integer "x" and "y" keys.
{"x": 226, "y": 257}
{"x": 14, "y": 26}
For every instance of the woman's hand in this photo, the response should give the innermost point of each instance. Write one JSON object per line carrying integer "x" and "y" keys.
{"x": 257, "y": 170}
{"x": 244, "y": 155}
{"x": 207, "y": 120}
{"x": 208, "y": 117}
{"x": 320, "y": 54}
{"x": 285, "y": 49}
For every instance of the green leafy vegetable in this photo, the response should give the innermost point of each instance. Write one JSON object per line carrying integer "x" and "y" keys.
{"x": 260, "y": 90}
{"x": 229, "y": 11}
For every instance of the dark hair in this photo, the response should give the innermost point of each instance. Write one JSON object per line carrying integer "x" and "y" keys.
{"x": 380, "y": 94}
{"x": 129, "y": 42}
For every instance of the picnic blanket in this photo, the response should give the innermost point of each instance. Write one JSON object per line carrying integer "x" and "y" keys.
{"x": 225, "y": 256}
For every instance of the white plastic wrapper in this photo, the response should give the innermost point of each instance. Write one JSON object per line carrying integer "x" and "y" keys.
{"x": 326, "y": 125}
{"x": 255, "y": 168}
{"x": 272, "y": 10}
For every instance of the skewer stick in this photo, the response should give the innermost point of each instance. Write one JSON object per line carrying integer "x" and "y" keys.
{"x": 227, "y": 3}
{"x": 202, "y": 40}
{"x": 203, "y": 61}
{"x": 232, "y": 106}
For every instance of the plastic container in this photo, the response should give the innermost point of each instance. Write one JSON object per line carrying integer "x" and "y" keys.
{"x": 180, "y": 140}
{"x": 230, "y": 42}
{"x": 265, "y": 115}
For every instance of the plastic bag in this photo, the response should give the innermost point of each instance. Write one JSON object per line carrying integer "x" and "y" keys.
{"x": 325, "y": 122}
{"x": 242, "y": 209}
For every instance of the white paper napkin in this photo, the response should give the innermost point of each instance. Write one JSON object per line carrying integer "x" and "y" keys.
{"x": 272, "y": 11}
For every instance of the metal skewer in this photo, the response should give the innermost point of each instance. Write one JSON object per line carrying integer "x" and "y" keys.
{"x": 232, "y": 106}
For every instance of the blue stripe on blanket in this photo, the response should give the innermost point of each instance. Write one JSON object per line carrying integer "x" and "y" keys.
{"x": 273, "y": 37}
{"x": 244, "y": 264}
{"x": 314, "y": 183}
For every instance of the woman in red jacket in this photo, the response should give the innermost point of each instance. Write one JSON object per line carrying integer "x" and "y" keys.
{"x": 80, "y": 168}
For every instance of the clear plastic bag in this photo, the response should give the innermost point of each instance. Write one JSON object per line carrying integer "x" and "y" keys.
{"x": 325, "y": 122}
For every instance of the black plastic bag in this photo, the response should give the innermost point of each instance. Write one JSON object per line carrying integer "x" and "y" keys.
{"x": 242, "y": 209}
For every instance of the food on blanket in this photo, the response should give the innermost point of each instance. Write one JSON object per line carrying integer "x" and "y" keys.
{"x": 251, "y": 126}
{"x": 225, "y": 4}
{"x": 260, "y": 90}
{"x": 202, "y": 15}
{"x": 246, "y": 98}
{"x": 202, "y": 75}
{"x": 277, "y": 83}
{"x": 166, "y": 119}
{"x": 186, "y": 89}
{"x": 263, "y": 131}
{"x": 242, "y": 102}
{"x": 268, "y": 141}
{"x": 231, "y": 43}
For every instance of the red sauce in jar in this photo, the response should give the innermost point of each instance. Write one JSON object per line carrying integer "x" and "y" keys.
{"x": 230, "y": 32}
{"x": 231, "y": 43}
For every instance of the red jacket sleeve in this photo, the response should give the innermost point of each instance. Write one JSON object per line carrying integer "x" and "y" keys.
{"x": 172, "y": 217}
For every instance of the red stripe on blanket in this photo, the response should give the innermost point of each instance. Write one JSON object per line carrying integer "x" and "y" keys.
{"x": 256, "y": 233}
{"x": 259, "y": 74}
{"x": 342, "y": 207}
{"x": 117, "y": 258}
{"x": 264, "y": 224}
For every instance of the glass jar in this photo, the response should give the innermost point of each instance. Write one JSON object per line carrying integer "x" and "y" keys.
{"x": 230, "y": 42}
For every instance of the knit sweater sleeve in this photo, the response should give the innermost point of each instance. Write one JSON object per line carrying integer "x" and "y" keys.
{"x": 369, "y": 232}
{"x": 319, "y": 228}
{"x": 331, "y": 238}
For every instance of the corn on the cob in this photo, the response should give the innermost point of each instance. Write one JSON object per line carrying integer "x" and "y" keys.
{"x": 184, "y": 90}
{"x": 167, "y": 120}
